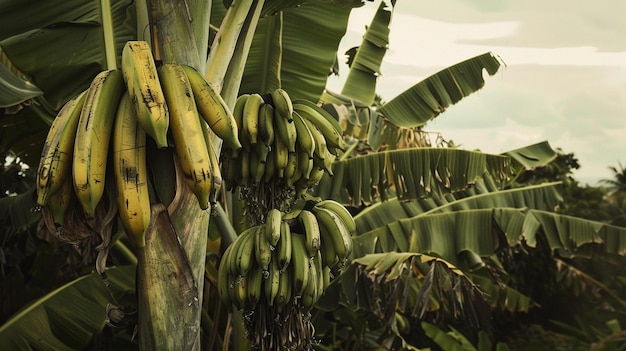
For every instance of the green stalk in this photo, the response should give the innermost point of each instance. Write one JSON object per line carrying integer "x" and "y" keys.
{"x": 108, "y": 32}
{"x": 177, "y": 43}
{"x": 223, "y": 46}
{"x": 200, "y": 22}
{"x": 143, "y": 22}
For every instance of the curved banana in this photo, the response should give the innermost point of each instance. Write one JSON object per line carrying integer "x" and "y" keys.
{"x": 304, "y": 136}
{"x": 144, "y": 88}
{"x": 287, "y": 132}
{"x": 272, "y": 226}
{"x": 186, "y": 128}
{"x": 340, "y": 211}
{"x": 282, "y": 104}
{"x": 245, "y": 252}
{"x": 130, "y": 170}
{"x": 216, "y": 171}
{"x": 334, "y": 230}
{"x": 223, "y": 277}
{"x": 300, "y": 264}
{"x": 255, "y": 284}
{"x": 55, "y": 165}
{"x": 328, "y": 125}
{"x": 284, "y": 288}
{"x": 272, "y": 284}
{"x": 327, "y": 251}
{"x": 251, "y": 117}
{"x": 59, "y": 204}
{"x": 213, "y": 109}
{"x": 284, "y": 247}
{"x": 281, "y": 156}
{"x": 92, "y": 138}
{"x": 263, "y": 250}
{"x": 311, "y": 231}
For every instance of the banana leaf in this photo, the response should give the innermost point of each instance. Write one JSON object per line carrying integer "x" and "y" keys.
{"x": 545, "y": 196}
{"x": 360, "y": 83}
{"x": 263, "y": 66}
{"x": 68, "y": 317}
{"x": 532, "y": 156}
{"x": 17, "y": 213}
{"x": 432, "y": 96}
{"x": 15, "y": 89}
{"x": 412, "y": 173}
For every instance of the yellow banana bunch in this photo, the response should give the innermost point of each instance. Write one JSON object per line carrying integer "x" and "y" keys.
{"x": 55, "y": 164}
{"x": 144, "y": 88}
{"x": 131, "y": 173}
{"x": 92, "y": 138}
{"x": 186, "y": 128}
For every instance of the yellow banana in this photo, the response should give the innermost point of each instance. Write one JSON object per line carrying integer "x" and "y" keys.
{"x": 284, "y": 247}
{"x": 92, "y": 138}
{"x": 334, "y": 230}
{"x": 213, "y": 109}
{"x": 326, "y": 123}
{"x": 340, "y": 211}
{"x": 58, "y": 204}
{"x": 131, "y": 174}
{"x": 251, "y": 117}
{"x": 263, "y": 250}
{"x": 311, "y": 231}
{"x": 300, "y": 264}
{"x": 186, "y": 128}
{"x": 282, "y": 104}
{"x": 144, "y": 88}
{"x": 55, "y": 164}
{"x": 304, "y": 135}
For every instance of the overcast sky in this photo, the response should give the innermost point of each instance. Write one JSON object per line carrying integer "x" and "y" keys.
{"x": 564, "y": 80}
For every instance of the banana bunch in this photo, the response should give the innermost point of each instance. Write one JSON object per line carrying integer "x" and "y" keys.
{"x": 108, "y": 124}
{"x": 287, "y": 146}
{"x": 280, "y": 268}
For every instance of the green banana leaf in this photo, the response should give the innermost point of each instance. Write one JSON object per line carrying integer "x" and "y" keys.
{"x": 430, "y": 97}
{"x": 15, "y": 89}
{"x": 263, "y": 66}
{"x": 68, "y": 317}
{"x": 360, "y": 83}
{"x": 532, "y": 156}
{"x": 542, "y": 197}
{"x": 17, "y": 213}
{"x": 412, "y": 173}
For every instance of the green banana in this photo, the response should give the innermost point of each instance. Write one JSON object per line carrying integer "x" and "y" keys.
{"x": 281, "y": 157}
{"x": 272, "y": 226}
{"x": 255, "y": 284}
{"x": 287, "y": 132}
{"x": 240, "y": 104}
{"x": 186, "y": 128}
{"x": 55, "y": 164}
{"x": 340, "y": 211}
{"x": 245, "y": 252}
{"x": 304, "y": 135}
{"x": 326, "y": 123}
{"x": 284, "y": 288}
{"x": 213, "y": 109}
{"x": 92, "y": 138}
{"x": 327, "y": 251}
{"x": 144, "y": 88}
{"x": 272, "y": 284}
{"x": 335, "y": 230}
{"x": 263, "y": 250}
{"x": 282, "y": 104}
{"x": 284, "y": 247}
{"x": 300, "y": 264}
{"x": 251, "y": 117}
{"x": 223, "y": 276}
{"x": 312, "y": 233}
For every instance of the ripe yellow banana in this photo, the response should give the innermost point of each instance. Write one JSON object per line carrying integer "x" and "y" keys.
{"x": 284, "y": 247}
{"x": 130, "y": 170}
{"x": 55, "y": 164}
{"x": 144, "y": 87}
{"x": 186, "y": 128}
{"x": 213, "y": 109}
{"x": 326, "y": 123}
{"x": 311, "y": 231}
{"x": 282, "y": 104}
{"x": 92, "y": 138}
{"x": 340, "y": 211}
{"x": 251, "y": 117}
{"x": 58, "y": 204}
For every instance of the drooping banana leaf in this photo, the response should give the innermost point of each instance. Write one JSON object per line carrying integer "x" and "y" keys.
{"x": 412, "y": 173}
{"x": 430, "y": 97}
{"x": 17, "y": 212}
{"x": 263, "y": 66}
{"x": 532, "y": 156}
{"x": 448, "y": 234}
{"x": 542, "y": 197}
{"x": 360, "y": 83}
{"x": 68, "y": 317}
{"x": 15, "y": 89}
{"x": 448, "y": 341}
{"x": 311, "y": 36}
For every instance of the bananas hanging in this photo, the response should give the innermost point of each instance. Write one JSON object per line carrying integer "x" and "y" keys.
{"x": 280, "y": 269}
{"x": 110, "y": 122}
{"x": 286, "y": 147}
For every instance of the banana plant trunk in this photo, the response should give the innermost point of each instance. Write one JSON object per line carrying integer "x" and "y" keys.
{"x": 170, "y": 271}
